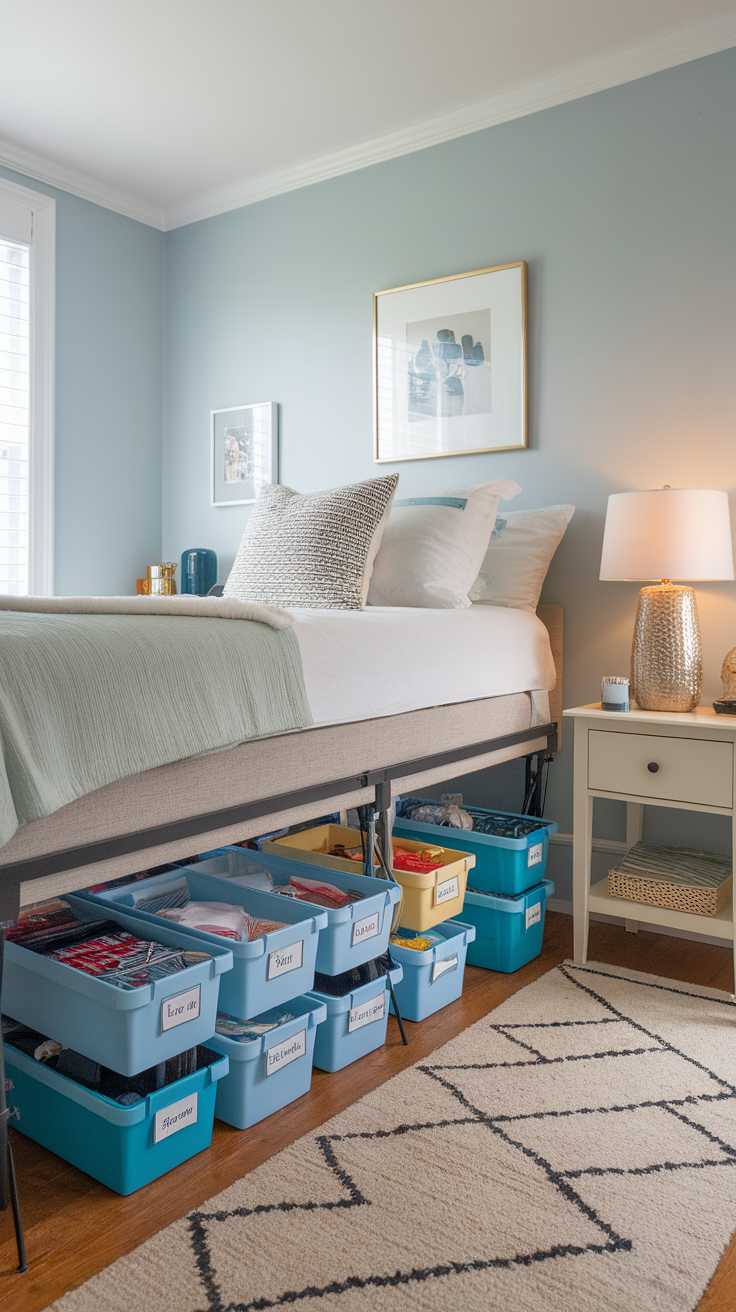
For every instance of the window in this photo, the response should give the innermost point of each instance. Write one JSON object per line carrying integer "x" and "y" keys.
{"x": 26, "y": 390}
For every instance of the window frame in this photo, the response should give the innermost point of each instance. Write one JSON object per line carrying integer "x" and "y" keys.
{"x": 42, "y": 358}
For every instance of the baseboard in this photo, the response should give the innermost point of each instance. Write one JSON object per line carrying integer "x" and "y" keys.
{"x": 599, "y": 844}
{"x": 562, "y": 905}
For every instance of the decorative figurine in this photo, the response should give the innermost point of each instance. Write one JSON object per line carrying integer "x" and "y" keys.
{"x": 726, "y": 705}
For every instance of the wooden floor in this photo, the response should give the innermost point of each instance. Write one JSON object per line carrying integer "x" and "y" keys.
{"x": 75, "y": 1227}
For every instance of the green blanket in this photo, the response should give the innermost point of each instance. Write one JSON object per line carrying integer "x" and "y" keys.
{"x": 88, "y": 699}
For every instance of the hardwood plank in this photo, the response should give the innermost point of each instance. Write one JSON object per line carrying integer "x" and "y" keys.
{"x": 75, "y": 1226}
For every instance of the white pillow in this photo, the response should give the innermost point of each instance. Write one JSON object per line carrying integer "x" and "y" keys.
{"x": 515, "y": 565}
{"x": 433, "y": 546}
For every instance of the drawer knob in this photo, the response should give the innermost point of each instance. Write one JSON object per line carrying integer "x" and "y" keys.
{"x": 652, "y": 767}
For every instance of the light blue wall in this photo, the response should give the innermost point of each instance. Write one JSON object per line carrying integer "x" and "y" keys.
{"x": 623, "y": 205}
{"x": 109, "y": 323}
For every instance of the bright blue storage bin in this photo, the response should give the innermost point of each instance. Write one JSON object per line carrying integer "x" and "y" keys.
{"x": 120, "y": 1028}
{"x": 115, "y": 1145}
{"x": 287, "y": 955}
{"x": 353, "y": 934}
{"x": 261, "y": 1080}
{"x": 502, "y": 865}
{"x": 509, "y": 930}
{"x": 366, "y": 1009}
{"x": 434, "y": 978}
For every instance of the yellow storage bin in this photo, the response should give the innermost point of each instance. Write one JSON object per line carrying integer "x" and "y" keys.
{"x": 427, "y": 899}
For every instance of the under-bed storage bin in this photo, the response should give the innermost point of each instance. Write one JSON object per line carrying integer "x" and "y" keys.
{"x": 353, "y": 934}
{"x": 128, "y": 1030}
{"x": 433, "y": 978}
{"x": 509, "y": 930}
{"x": 265, "y": 973}
{"x": 122, "y": 1147}
{"x": 271, "y": 1071}
{"x": 502, "y": 865}
{"x": 355, "y": 1024}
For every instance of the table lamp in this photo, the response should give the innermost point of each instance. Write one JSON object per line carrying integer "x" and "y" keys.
{"x": 682, "y": 533}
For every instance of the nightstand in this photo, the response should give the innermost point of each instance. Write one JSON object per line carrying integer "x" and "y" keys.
{"x": 648, "y": 758}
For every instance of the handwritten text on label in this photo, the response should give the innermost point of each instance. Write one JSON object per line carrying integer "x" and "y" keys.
{"x": 533, "y": 914}
{"x": 442, "y": 967}
{"x": 282, "y": 1053}
{"x": 177, "y": 1116}
{"x": 366, "y": 1012}
{"x": 447, "y": 889}
{"x": 283, "y": 960}
{"x": 180, "y": 1008}
{"x": 535, "y": 854}
{"x": 367, "y": 928}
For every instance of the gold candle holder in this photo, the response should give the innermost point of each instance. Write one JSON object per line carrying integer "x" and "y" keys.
{"x": 160, "y": 579}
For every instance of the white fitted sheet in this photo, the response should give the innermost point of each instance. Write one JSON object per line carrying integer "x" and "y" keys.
{"x": 361, "y": 665}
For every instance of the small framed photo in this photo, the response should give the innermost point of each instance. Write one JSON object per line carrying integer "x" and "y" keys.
{"x": 450, "y": 367}
{"x": 245, "y": 452}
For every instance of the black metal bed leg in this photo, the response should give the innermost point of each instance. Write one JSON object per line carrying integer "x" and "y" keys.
{"x": 9, "y": 905}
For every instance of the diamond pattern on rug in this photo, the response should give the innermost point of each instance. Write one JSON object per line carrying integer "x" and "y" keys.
{"x": 542, "y": 1160}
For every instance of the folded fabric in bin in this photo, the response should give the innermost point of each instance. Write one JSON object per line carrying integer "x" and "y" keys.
{"x": 124, "y": 960}
{"x": 406, "y": 938}
{"x": 50, "y": 923}
{"x": 223, "y": 918}
{"x": 336, "y": 986}
{"x": 319, "y": 892}
{"x": 244, "y": 1031}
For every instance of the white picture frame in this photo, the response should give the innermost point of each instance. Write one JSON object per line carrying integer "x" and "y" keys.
{"x": 244, "y": 452}
{"x": 450, "y": 365}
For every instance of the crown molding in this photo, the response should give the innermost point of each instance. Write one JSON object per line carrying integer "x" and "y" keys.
{"x": 652, "y": 55}
{"x": 36, "y": 166}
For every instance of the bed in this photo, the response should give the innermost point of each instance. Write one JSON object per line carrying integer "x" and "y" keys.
{"x": 400, "y": 699}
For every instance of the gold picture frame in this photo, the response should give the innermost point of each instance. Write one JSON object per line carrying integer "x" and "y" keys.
{"x": 435, "y": 396}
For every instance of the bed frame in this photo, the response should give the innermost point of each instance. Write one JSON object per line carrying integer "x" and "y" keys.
{"x": 331, "y": 769}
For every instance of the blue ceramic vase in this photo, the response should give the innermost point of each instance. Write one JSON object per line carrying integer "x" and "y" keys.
{"x": 198, "y": 571}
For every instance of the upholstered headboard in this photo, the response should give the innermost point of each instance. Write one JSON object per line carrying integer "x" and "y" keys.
{"x": 551, "y": 617}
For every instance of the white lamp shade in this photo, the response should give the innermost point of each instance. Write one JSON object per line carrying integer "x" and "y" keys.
{"x": 671, "y": 533}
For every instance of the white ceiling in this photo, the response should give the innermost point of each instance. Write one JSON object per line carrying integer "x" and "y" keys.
{"x": 170, "y": 109}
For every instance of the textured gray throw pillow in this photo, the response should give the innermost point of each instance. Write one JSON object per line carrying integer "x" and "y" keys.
{"x": 314, "y": 549}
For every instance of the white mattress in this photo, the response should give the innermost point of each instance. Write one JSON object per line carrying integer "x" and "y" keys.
{"x": 361, "y": 665}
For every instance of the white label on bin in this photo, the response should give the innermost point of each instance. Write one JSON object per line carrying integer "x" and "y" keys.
{"x": 283, "y": 960}
{"x": 442, "y": 967}
{"x": 180, "y": 1008}
{"x": 366, "y": 1012}
{"x": 535, "y": 854}
{"x": 175, "y": 1117}
{"x": 367, "y": 928}
{"x": 282, "y": 1053}
{"x": 449, "y": 888}
{"x": 533, "y": 915}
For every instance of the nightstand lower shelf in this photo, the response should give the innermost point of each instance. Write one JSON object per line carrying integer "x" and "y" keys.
{"x": 720, "y": 926}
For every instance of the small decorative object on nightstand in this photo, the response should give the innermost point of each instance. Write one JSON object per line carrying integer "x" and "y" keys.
{"x": 671, "y": 533}
{"x": 198, "y": 571}
{"x": 726, "y": 705}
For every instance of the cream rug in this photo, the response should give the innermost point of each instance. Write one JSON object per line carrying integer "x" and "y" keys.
{"x": 572, "y": 1152}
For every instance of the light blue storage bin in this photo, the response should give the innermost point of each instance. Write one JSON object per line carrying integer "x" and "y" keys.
{"x": 120, "y": 1028}
{"x": 434, "y": 978}
{"x": 286, "y": 955}
{"x": 502, "y": 865}
{"x": 366, "y": 1010}
{"x": 509, "y": 930}
{"x": 271, "y": 1071}
{"x": 353, "y": 934}
{"x": 115, "y": 1145}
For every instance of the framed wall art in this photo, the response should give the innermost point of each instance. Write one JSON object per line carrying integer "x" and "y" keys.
{"x": 245, "y": 452}
{"x": 450, "y": 368}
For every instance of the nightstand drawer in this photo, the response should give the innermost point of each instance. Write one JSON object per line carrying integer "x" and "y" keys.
{"x": 695, "y": 770}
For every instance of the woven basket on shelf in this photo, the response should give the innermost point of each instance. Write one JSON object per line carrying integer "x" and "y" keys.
{"x": 680, "y": 878}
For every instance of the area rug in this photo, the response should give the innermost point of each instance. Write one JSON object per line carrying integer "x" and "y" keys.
{"x": 572, "y": 1152}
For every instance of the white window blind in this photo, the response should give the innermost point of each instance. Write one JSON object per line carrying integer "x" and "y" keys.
{"x": 14, "y": 415}
{"x": 27, "y": 227}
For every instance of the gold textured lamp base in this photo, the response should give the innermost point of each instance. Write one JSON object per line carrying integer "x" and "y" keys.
{"x": 666, "y": 654}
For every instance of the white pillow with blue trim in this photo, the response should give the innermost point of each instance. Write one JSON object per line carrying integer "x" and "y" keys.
{"x": 521, "y": 547}
{"x": 433, "y": 546}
